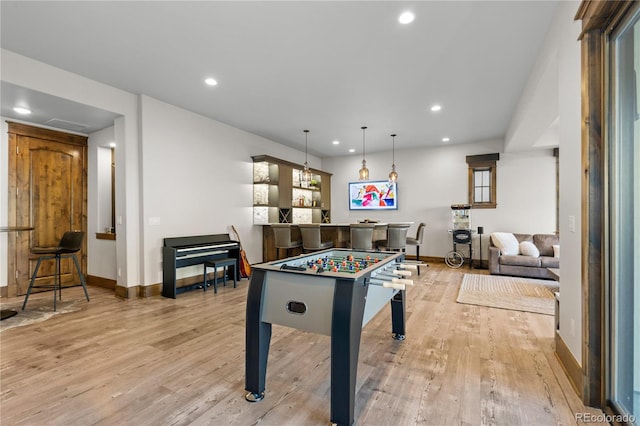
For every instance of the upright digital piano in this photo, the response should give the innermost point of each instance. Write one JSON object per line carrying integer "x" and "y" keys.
{"x": 179, "y": 252}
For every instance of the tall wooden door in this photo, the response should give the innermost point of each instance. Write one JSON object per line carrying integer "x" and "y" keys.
{"x": 47, "y": 191}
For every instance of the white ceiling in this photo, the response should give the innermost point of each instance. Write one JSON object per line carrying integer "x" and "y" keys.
{"x": 53, "y": 111}
{"x": 330, "y": 67}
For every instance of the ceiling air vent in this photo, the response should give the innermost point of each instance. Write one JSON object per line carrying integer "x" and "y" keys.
{"x": 67, "y": 125}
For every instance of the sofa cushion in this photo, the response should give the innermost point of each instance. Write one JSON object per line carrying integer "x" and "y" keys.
{"x": 520, "y": 261}
{"x": 506, "y": 242}
{"x": 545, "y": 243}
{"x": 527, "y": 248}
{"x": 523, "y": 237}
{"x": 549, "y": 262}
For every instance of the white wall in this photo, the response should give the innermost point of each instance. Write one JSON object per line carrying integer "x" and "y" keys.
{"x": 162, "y": 168}
{"x": 197, "y": 177}
{"x": 101, "y": 254}
{"x": 4, "y": 191}
{"x": 550, "y": 108}
{"x": 570, "y": 182}
{"x": 25, "y": 72}
{"x": 537, "y": 109}
{"x": 636, "y": 238}
{"x": 438, "y": 177}
{"x": 431, "y": 179}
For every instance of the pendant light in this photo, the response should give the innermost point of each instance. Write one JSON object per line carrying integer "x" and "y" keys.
{"x": 393, "y": 176}
{"x": 306, "y": 173}
{"x": 364, "y": 172}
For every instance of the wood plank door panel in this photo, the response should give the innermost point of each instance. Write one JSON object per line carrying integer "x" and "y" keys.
{"x": 50, "y": 181}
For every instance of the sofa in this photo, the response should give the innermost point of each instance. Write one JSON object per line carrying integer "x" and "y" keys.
{"x": 523, "y": 255}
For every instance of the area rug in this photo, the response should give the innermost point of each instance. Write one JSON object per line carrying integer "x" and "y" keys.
{"x": 36, "y": 311}
{"x": 514, "y": 293}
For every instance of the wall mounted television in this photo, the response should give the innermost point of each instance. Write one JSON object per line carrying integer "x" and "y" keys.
{"x": 373, "y": 195}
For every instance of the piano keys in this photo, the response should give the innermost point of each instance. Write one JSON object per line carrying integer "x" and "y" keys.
{"x": 179, "y": 252}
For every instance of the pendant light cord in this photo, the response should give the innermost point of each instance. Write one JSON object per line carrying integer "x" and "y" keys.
{"x": 393, "y": 150}
{"x": 306, "y": 133}
{"x": 363, "y": 129}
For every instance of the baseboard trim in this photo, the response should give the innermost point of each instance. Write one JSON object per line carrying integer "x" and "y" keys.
{"x": 126, "y": 292}
{"x": 427, "y": 259}
{"x": 150, "y": 290}
{"x": 101, "y": 282}
{"x": 435, "y": 259}
{"x": 156, "y": 289}
{"x": 571, "y": 367}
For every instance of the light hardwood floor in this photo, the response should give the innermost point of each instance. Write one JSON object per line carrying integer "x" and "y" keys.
{"x": 160, "y": 361}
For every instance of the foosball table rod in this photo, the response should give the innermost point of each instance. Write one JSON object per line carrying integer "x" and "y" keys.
{"x": 387, "y": 284}
{"x": 408, "y": 266}
{"x": 386, "y": 277}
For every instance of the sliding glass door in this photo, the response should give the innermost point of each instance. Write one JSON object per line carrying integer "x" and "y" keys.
{"x": 623, "y": 325}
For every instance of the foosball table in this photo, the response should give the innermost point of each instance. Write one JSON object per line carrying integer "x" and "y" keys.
{"x": 334, "y": 292}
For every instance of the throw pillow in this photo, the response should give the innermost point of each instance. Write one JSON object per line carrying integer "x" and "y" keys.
{"x": 527, "y": 248}
{"x": 506, "y": 242}
{"x": 556, "y": 250}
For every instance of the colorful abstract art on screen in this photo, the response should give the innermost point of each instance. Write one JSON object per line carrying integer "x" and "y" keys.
{"x": 373, "y": 195}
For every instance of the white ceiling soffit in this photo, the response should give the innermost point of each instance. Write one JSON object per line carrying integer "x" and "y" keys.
{"x": 52, "y": 111}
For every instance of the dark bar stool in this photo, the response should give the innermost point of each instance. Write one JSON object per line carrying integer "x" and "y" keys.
{"x": 69, "y": 245}
{"x": 215, "y": 264}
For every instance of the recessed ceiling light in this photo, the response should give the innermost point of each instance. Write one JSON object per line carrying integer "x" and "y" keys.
{"x": 436, "y": 108}
{"x": 22, "y": 110}
{"x": 406, "y": 18}
{"x": 211, "y": 81}
{"x": 445, "y": 139}
{"x": 352, "y": 150}
{"x": 336, "y": 142}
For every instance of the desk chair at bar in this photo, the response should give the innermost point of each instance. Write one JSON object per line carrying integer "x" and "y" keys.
{"x": 69, "y": 245}
{"x": 311, "y": 238}
{"x": 361, "y": 236}
{"x": 282, "y": 234}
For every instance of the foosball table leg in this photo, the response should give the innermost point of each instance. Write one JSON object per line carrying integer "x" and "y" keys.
{"x": 398, "y": 315}
{"x": 258, "y": 337}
